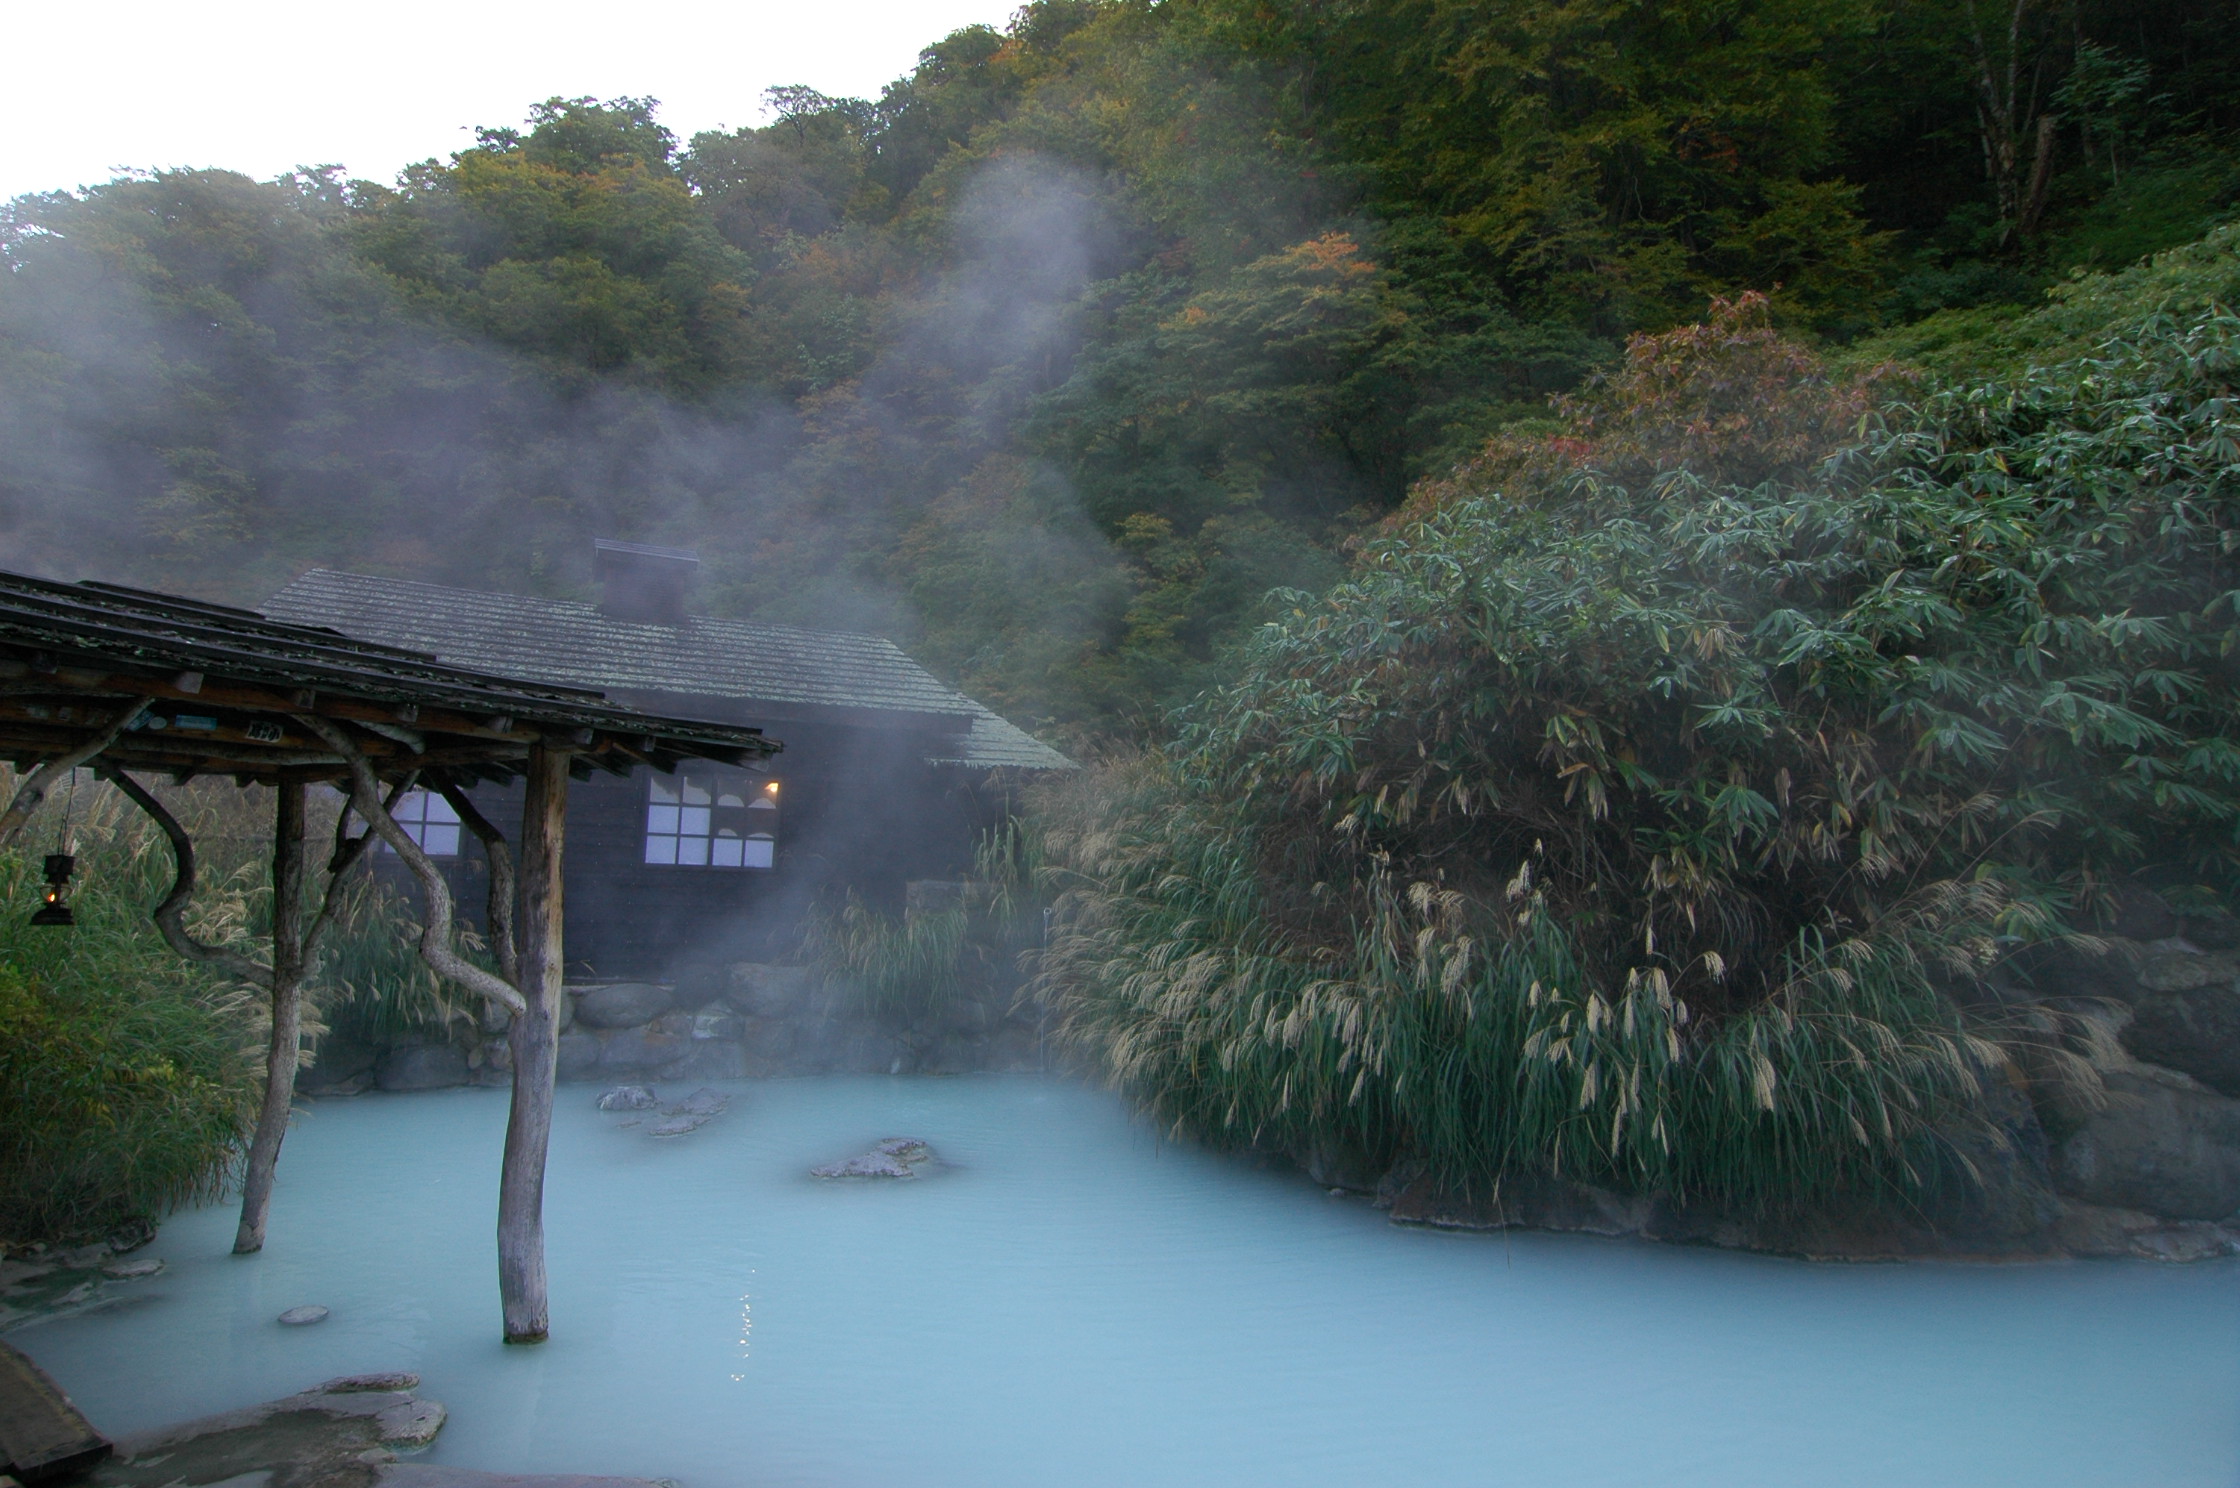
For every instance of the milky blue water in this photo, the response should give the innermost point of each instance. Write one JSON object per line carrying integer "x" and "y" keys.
{"x": 1078, "y": 1304}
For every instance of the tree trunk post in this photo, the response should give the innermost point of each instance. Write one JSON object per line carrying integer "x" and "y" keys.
{"x": 287, "y": 1016}
{"x": 535, "y": 1038}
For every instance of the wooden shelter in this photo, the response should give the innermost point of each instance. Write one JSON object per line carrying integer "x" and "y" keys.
{"x": 128, "y": 681}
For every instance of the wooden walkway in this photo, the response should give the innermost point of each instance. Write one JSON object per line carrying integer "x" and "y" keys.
{"x": 42, "y": 1436}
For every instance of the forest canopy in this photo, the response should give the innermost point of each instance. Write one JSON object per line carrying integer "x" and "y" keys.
{"x": 1057, "y": 356}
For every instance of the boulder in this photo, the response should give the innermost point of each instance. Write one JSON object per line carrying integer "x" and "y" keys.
{"x": 628, "y": 1098}
{"x": 2135, "y": 912}
{"x": 339, "y": 1065}
{"x": 622, "y": 1004}
{"x": 579, "y": 1055}
{"x": 690, "y": 1114}
{"x": 2164, "y": 970}
{"x": 1337, "y": 1163}
{"x": 2213, "y": 931}
{"x": 421, "y": 1067}
{"x": 304, "y": 1316}
{"x": 2095, "y": 1231}
{"x": 1999, "y": 1192}
{"x": 890, "y": 1157}
{"x": 636, "y": 1050}
{"x": 718, "y": 1024}
{"x": 2163, "y": 1144}
{"x": 2188, "y": 1021}
{"x": 763, "y": 990}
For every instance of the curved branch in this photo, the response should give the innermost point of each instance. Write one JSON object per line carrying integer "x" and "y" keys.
{"x": 33, "y": 792}
{"x": 499, "y": 910}
{"x": 348, "y": 850}
{"x": 168, "y": 914}
{"x": 435, "y": 936}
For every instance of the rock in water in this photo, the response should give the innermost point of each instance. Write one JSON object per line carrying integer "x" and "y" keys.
{"x": 301, "y": 1317}
{"x": 622, "y": 1004}
{"x": 892, "y": 1157}
{"x": 628, "y": 1098}
{"x": 690, "y": 1114}
{"x": 131, "y": 1270}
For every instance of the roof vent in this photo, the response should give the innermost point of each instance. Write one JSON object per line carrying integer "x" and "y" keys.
{"x": 638, "y": 581}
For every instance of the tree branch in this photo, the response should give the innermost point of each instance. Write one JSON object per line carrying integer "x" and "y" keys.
{"x": 348, "y": 850}
{"x": 168, "y": 914}
{"x": 499, "y": 910}
{"x": 33, "y": 791}
{"x": 435, "y": 936}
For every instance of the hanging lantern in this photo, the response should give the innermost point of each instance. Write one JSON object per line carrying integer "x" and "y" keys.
{"x": 56, "y": 909}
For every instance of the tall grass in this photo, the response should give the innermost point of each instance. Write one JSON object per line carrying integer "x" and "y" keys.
{"x": 1481, "y": 1046}
{"x": 915, "y": 965}
{"x": 127, "y": 1077}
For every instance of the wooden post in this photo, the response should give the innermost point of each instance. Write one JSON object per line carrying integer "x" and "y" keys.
{"x": 287, "y": 1016}
{"x": 535, "y": 1037}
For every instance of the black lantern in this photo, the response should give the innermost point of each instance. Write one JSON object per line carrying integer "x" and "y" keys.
{"x": 56, "y": 909}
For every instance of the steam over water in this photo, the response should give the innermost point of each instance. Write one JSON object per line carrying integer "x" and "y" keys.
{"x": 1079, "y": 1304}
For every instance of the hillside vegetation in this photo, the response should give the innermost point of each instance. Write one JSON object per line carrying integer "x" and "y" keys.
{"x": 1056, "y": 357}
{"x": 1654, "y": 800}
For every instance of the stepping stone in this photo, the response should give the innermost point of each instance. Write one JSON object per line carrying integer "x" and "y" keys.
{"x": 303, "y": 1317}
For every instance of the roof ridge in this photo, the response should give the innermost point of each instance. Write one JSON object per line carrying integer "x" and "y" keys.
{"x": 593, "y": 609}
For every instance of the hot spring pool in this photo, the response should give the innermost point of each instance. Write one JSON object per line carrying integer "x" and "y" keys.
{"x": 1079, "y": 1304}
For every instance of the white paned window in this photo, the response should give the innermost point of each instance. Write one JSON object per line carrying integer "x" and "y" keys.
{"x": 707, "y": 817}
{"x": 428, "y": 819}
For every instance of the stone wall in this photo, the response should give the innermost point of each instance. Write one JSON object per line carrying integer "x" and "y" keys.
{"x": 765, "y": 1020}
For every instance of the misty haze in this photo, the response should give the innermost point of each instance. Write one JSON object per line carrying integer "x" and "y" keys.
{"x": 1233, "y": 743}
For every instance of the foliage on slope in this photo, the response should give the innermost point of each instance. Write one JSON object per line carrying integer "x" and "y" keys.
{"x": 126, "y": 1074}
{"x": 1636, "y": 824}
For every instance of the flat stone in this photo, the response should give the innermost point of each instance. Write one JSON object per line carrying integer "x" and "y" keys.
{"x": 131, "y": 1270}
{"x": 336, "y": 1436}
{"x": 622, "y": 1004}
{"x": 442, "y": 1475}
{"x": 356, "y": 1384}
{"x": 410, "y": 1423}
{"x": 892, "y": 1157}
{"x": 629, "y": 1098}
{"x": 303, "y": 1317}
{"x": 690, "y": 1114}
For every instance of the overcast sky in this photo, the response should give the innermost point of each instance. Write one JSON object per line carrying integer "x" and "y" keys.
{"x": 262, "y": 87}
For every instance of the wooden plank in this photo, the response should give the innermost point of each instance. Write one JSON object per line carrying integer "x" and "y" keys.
{"x": 41, "y": 1433}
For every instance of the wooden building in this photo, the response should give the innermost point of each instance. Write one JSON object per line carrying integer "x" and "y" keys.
{"x": 887, "y": 776}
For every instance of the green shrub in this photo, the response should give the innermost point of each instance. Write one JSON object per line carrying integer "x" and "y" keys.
{"x": 917, "y": 964}
{"x": 127, "y": 1076}
{"x": 1635, "y": 828}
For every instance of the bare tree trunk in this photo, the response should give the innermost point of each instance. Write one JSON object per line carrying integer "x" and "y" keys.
{"x": 535, "y": 1038}
{"x": 287, "y": 1017}
{"x": 2041, "y": 175}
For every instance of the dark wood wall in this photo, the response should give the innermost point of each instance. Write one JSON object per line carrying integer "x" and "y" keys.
{"x": 859, "y": 811}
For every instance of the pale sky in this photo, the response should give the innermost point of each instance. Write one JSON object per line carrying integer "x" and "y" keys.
{"x": 261, "y": 87}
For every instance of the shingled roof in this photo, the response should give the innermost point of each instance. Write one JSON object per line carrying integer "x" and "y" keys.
{"x": 177, "y": 684}
{"x": 572, "y": 644}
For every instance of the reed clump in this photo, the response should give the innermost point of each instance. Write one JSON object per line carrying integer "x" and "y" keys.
{"x": 1654, "y": 829}
{"x": 128, "y": 1077}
